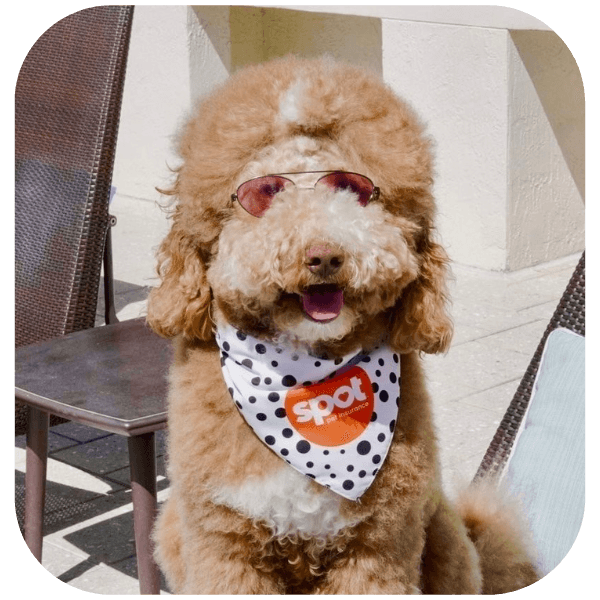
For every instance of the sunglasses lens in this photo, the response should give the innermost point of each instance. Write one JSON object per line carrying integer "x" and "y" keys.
{"x": 256, "y": 195}
{"x": 353, "y": 182}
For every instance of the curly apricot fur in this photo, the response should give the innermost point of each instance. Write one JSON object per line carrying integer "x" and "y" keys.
{"x": 218, "y": 263}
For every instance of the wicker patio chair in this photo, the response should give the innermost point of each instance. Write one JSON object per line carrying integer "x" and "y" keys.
{"x": 570, "y": 314}
{"x": 538, "y": 449}
{"x": 68, "y": 99}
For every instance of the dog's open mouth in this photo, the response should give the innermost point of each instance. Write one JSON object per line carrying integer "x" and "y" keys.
{"x": 322, "y": 303}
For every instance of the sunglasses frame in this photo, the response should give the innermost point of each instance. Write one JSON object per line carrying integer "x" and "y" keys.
{"x": 374, "y": 194}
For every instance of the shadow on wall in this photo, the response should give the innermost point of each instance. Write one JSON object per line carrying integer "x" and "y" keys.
{"x": 126, "y": 294}
{"x": 518, "y": 181}
{"x": 260, "y": 34}
{"x": 243, "y": 35}
{"x": 554, "y": 74}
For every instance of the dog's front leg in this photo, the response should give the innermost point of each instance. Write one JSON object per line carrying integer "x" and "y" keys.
{"x": 380, "y": 560}
{"x": 220, "y": 562}
{"x": 206, "y": 563}
{"x": 367, "y": 573}
{"x": 212, "y": 572}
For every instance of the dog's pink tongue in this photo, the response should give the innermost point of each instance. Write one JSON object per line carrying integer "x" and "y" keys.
{"x": 323, "y": 304}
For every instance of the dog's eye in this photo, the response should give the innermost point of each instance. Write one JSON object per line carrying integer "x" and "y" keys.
{"x": 348, "y": 185}
{"x": 270, "y": 189}
{"x": 359, "y": 185}
{"x": 256, "y": 195}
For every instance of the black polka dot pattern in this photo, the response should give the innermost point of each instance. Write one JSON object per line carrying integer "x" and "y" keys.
{"x": 288, "y": 381}
{"x": 303, "y": 447}
{"x": 259, "y": 375}
{"x": 363, "y": 447}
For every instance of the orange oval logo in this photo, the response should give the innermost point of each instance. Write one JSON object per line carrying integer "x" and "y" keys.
{"x": 334, "y": 412}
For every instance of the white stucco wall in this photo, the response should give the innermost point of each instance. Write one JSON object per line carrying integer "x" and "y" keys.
{"x": 472, "y": 15}
{"x": 174, "y": 58}
{"x": 209, "y": 48}
{"x": 505, "y": 107}
{"x": 545, "y": 150}
{"x": 155, "y": 98}
{"x": 353, "y": 39}
{"x": 456, "y": 79}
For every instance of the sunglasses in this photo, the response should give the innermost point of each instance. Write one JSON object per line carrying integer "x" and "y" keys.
{"x": 256, "y": 195}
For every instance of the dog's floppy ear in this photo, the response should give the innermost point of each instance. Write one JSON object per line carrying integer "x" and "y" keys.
{"x": 181, "y": 302}
{"x": 420, "y": 320}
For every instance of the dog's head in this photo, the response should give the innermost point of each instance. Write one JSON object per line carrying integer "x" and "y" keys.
{"x": 335, "y": 244}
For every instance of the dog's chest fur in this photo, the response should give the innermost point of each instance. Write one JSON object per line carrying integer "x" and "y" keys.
{"x": 287, "y": 503}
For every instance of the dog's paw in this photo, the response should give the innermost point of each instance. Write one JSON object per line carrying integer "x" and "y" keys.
{"x": 373, "y": 587}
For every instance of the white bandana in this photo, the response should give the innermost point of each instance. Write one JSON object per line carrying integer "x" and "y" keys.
{"x": 332, "y": 420}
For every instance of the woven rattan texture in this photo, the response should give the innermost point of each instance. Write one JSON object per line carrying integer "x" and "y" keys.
{"x": 66, "y": 114}
{"x": 570, "y": 314}
{"x": 67, "y": 107}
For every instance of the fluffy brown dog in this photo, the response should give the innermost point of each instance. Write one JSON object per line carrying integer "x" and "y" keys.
{"x": 330, "y": 257}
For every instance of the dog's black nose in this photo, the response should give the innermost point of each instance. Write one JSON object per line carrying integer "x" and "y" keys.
{"x": 324, "y": 260}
